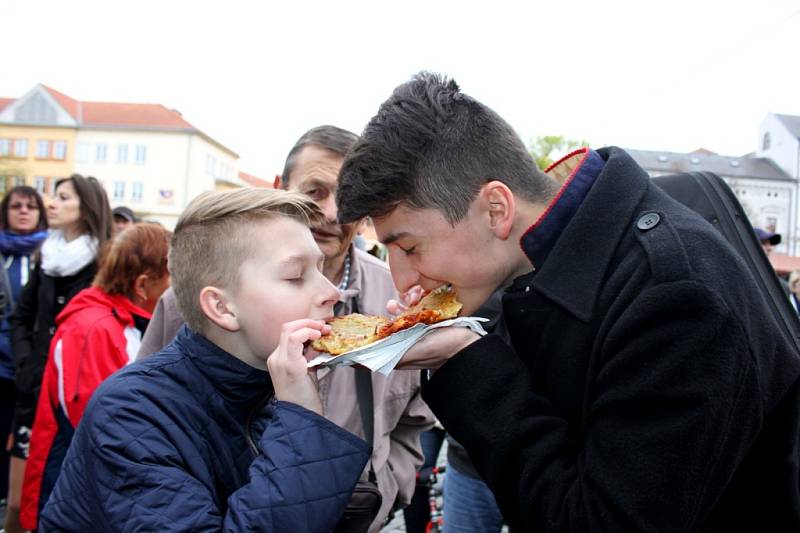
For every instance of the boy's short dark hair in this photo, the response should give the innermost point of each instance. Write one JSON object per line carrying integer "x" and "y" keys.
{"x": 433, "y": 147}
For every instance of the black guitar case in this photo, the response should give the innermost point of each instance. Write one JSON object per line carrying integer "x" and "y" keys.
{"x": 708, "y": 195}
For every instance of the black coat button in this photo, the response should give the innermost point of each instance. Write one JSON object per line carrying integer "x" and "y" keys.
{"x": 648, "y": 221}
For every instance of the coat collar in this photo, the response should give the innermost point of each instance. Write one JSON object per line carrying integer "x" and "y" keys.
{"x": 577, "y": 172}
{"x": 237, "y": 382}
{"x": 577, "y": 264}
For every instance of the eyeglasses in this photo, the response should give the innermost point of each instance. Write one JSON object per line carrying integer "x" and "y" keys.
{"x": 16, "y": 206}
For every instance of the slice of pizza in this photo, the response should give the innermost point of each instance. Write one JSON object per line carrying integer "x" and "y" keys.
{"x": 349, "y": 332}
{"x": 438, "y": 305}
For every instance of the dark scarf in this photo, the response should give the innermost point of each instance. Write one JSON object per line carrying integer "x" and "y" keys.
{"x": 16, "y": 244}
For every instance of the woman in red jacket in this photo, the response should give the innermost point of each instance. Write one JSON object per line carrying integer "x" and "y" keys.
{"x": 98, "y": 333}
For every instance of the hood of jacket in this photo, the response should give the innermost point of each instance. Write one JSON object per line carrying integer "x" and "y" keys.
{"x": 120, "y": 306}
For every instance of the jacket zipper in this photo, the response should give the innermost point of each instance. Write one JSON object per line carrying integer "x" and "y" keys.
{"x": 248, "y": 435}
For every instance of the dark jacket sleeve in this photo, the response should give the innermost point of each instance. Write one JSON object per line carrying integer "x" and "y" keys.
{"x": 138, "y": 480}
{"x": 22, "y": 327}
{"x": 675, "y": 380}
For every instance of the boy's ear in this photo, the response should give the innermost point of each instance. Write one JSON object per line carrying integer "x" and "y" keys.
{"x": 276, "y": 183}
{"x": 218, "y": 308}
{"x": 500, "y": 205}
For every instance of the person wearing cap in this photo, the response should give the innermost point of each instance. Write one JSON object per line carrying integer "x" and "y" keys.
{"x": 123, "y": 218}
{"x": 768, "y": 239}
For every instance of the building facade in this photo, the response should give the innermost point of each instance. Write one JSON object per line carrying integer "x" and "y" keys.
{"x": 768, "y": 194}
{"x": 147, "y": 156}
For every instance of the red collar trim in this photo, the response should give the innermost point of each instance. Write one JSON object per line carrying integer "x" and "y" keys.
{"x": 585, "y": 152}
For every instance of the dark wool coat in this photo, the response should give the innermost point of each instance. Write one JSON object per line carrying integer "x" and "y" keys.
{"x": 33, "y": 325}
{"x": 652, "y": 390}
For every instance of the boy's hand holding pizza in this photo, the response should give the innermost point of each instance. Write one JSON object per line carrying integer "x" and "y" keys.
{"x": 287, "y": 364}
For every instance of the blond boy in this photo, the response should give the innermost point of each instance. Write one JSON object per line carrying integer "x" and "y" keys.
{"x": 200, "y": 436}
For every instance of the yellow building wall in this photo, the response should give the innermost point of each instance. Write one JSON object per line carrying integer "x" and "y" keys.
{"x": 225, "y": 186}
{"x": 25, "y": 170}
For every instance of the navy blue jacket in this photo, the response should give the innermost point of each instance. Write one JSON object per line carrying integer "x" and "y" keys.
{"x": 648, "y": 388}
{"x": 190, "y": 439}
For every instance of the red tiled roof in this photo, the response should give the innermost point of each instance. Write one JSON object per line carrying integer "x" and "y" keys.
{"x": 254, "y": 181}
{"x": 142, "y": 115}
{"x": 69, "y": 104}
{"x": 120, "y": 114}
{"x": 5, "y": 101}
{"x": 784, "y": 264}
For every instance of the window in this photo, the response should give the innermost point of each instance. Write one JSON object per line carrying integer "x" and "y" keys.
{"x": 21, "y": 148}
{"x": 766, "y": 142}
{"x": 42, "y": 150}
{"x": 17, "y": 181}
{"x": 211, "y": 164}
{"x": 40, "y": 183}
{"x": 3, "y": 184}
{"x": 60, "y": 150}
{"x": 141, "y": 154}
{"x": 137, "y": 191}
{"x": 119, "y": 190}
{"x": 82, "y": 153}
{"x": 51, "y": 186}
{"x": 5, "y": 147}
{"x": 122, "y": 153}
{"x": 100, "y": 155}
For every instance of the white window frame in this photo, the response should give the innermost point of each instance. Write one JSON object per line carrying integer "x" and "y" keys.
{"x": 102, "y": 149}
{"x": 43, "y": 149}
{"x": 137, "y": 191}
{"x": 119, "y": 190}
{"x": 140, "y": 155}
{"x": 122, "y": 154}
{"x": 20, "y": 152}
{"x": 5, "y": 147}
{"x": 59, "y": 150}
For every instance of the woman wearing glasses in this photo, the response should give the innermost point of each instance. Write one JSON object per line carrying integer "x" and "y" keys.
{"x": 23, "y": 227}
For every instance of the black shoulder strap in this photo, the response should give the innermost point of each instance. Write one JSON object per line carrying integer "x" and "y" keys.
{"x": 365, "y": 402}
{"x": 364, "y": 394}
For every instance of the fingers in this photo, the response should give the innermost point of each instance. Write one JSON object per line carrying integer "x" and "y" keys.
{"x": 394, "y": 307}
{"x": 412, "y": 295}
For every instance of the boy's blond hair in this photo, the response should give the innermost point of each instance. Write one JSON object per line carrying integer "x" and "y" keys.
{"x": 211, "y": 239}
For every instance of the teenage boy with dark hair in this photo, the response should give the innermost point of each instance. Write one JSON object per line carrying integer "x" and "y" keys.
{"x": 200, "y": 437}
{"x": 648, "y": 387}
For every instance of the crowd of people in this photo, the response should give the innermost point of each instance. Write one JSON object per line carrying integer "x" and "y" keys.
{"x": 632, "y": 377}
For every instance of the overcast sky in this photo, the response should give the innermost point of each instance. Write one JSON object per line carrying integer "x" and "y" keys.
{"x": 670, "y": 76}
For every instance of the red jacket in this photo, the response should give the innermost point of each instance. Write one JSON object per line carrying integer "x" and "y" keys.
{"x": 96, "y": 336}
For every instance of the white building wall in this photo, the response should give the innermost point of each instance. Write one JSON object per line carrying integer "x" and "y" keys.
{"x": 769, "y": 205}
{"x": 161, "y": 173}
{"x": 207, "y": 163}
{"x": 784, "y": 148}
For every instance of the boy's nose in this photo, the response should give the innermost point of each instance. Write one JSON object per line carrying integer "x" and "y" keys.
{"x": 329, "y": 293}
{"x": 403, "y": 275}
